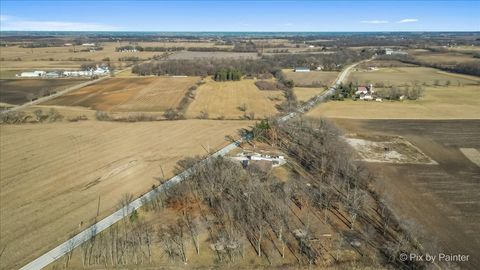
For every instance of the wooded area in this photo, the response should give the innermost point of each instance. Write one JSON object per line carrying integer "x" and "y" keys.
{"x": 267, "y": 64}
{"x": 249, "y": 209}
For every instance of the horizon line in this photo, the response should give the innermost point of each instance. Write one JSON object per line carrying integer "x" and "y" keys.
{"x": 245, "y": 31}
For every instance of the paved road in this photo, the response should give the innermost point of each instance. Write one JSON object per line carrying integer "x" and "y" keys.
{"x": 108, "y": 221}
{"x": 323, "y": 96}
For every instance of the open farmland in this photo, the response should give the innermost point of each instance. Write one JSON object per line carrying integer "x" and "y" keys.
{"x": 440, "y": 201}
{"x": 19, "y": 91}
{"x": 305, "y": 93}
{"x": 183, "y": 55}
{"x": 464, "y": 49}
{"x": 225, "y": 99}
{"x": 54, "y": 176}
{"x": 311, "y": 78}
{"x": 447, "y": 57}
{"x": 438, "y": 103}
{"x": 51, "y": 58}
{"x": 382, "y": 63}
{"x": 410, "y": 75}
{"x": 152, "y": 94}
{"x": 16, "y": 59}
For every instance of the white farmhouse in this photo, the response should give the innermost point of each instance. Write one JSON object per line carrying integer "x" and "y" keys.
{"x": 393, "y": 52}
{"x": 361, "y": 90}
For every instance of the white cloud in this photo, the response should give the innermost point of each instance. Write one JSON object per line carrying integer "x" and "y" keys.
{"x": 408, "y": 21}
{"x": 286, "y": 24}
{"x": 16, "y": 24}
{"x": 4, "y": 18}
{"x": 375, "y": 21}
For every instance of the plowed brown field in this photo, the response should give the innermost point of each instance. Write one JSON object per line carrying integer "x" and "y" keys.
{"x": 151, "y": 94}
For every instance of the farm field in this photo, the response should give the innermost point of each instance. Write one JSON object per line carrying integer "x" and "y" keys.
{"x": 382, "y": 63}
{"x": 182, "y": 55}
{"x": 439, "y": 201}
{"x": 151, "y": 94}
{"x": 54, "y": 176}
{"x": 448, "y": 57}
{"x": 19, "y": 91}
{"x": 305, "y": 93}
{"x": 50, "y": 58}
{"x": 224, "y": 100}
{"x": 408, "y": 75}
{"x": 311, "y": 78}
{"x": 438, "y": 103}
{"x": 127, "y": 73}
{"x": 466, "y": 49}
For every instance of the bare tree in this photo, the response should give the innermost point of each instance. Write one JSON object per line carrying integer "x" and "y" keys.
{"x": 38, "y": 115}
{"x": 355, "y": 202}
{"x": 192, "y": 228}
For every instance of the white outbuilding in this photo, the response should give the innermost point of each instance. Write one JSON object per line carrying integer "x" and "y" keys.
{"x": 301, "y": 69}
{"x": 32, "y": 74}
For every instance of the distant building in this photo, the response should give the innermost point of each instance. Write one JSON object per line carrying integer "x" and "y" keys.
{"x": 53, "y": 74}
{"x": 301, "y": 69}
{"x": 361, "y": 90}
{"x": 32, "y": 74}
{"x": 393, "y": 52}
{"x": 129, "y": 50}
{"x": 78, "y": 73}
{"x": 366, "y": 97}
{"x": 99, "y": 71}
{"x": 365, "y": 92}
{"x": 88, "y": 44}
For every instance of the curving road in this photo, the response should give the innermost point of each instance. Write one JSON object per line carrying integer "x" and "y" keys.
{"x": 108, "y": 221}
{"x": 323, "y": 96}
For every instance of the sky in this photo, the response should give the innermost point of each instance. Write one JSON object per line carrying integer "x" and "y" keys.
{"x": 278, "y": 16}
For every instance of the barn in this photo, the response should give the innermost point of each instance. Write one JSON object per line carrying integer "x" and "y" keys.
{"x": 32, "y": 74}
{"x": 301, "y": 69}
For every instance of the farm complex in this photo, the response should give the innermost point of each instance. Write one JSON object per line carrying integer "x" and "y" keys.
{"x": 238, "y": 150}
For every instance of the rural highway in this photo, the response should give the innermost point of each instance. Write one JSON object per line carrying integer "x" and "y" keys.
{"x": 323, "y": 96}
{"x": 108, "y": 221}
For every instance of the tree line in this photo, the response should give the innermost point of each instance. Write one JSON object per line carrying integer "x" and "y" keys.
{"x": 266, "y": 64}
{"x": 227, "y": 75}
{"x": 239, "y": 47}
